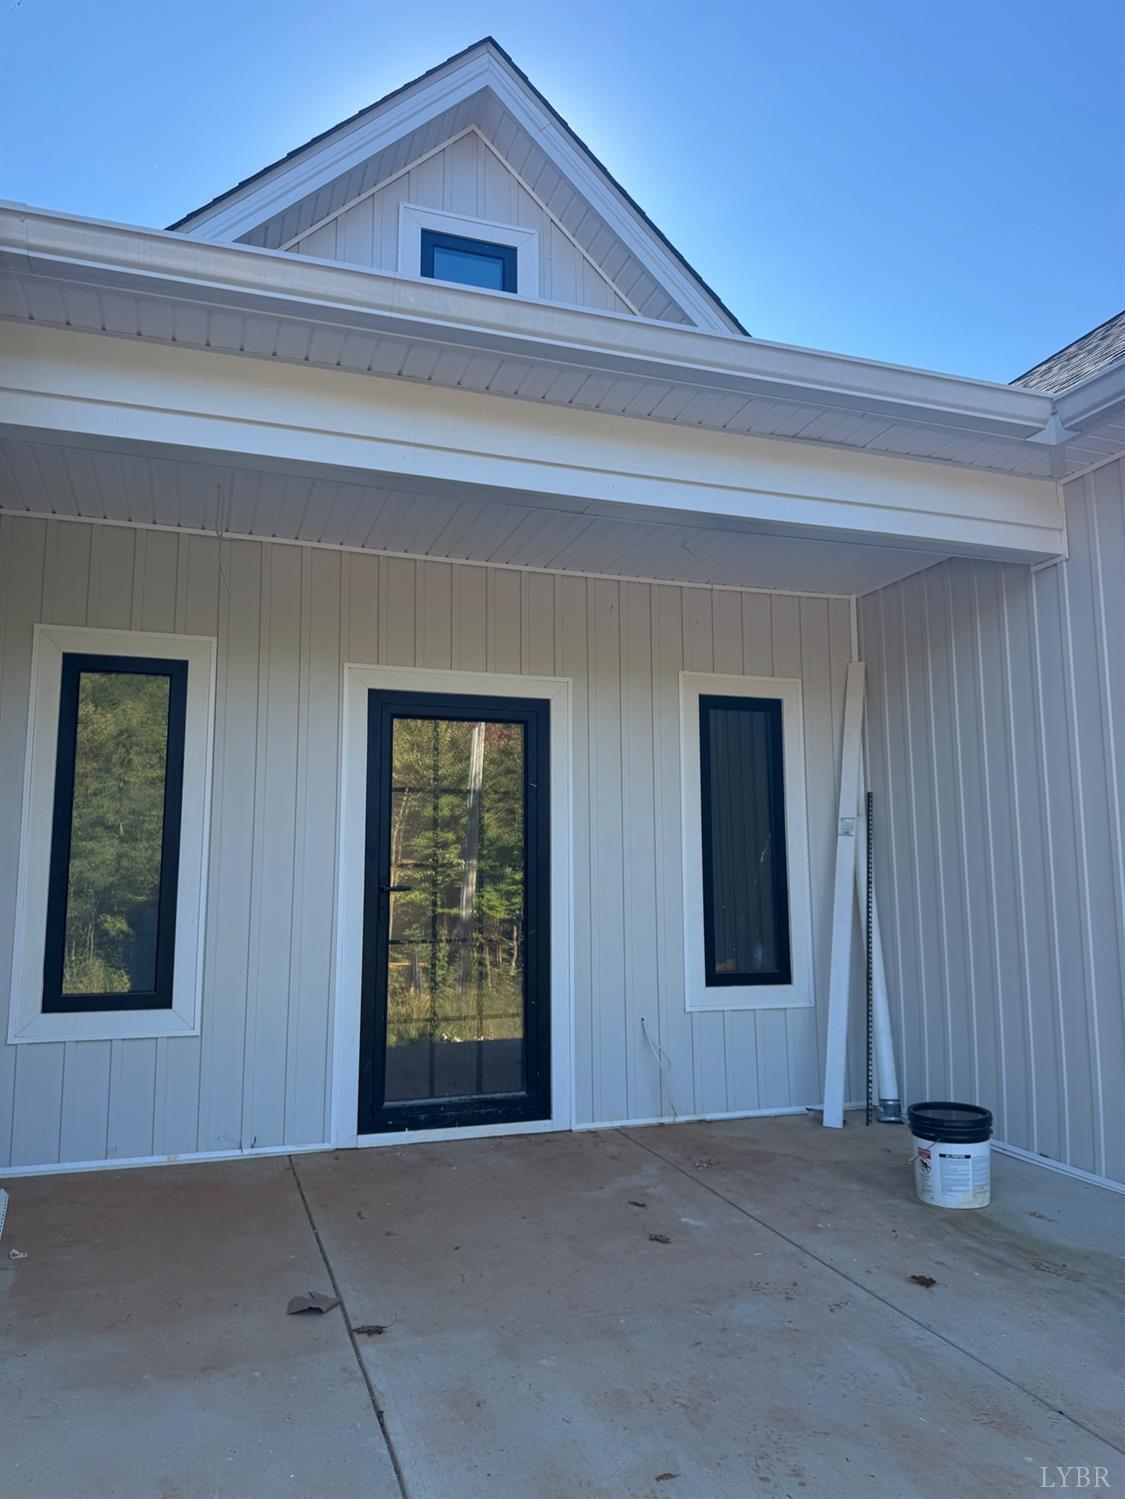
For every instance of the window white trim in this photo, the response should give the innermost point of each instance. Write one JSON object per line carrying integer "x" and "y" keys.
{"x": 26, "y": 1021}
{"x": 412, "y": 219}
{"x": 798, "y": 993}
{"x": 358, "y": 680}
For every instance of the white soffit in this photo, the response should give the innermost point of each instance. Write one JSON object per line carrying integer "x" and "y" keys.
{"x": 132, "y": 485}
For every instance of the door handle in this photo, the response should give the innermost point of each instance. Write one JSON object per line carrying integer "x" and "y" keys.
{"x": 394, "y": 889}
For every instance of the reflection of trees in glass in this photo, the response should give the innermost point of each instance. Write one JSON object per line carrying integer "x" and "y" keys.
{"x": 457, "y": 838}
{"x": 117, "y": 828}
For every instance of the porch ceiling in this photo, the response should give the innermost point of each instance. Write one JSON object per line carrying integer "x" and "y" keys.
{"x": 144, "y": 484}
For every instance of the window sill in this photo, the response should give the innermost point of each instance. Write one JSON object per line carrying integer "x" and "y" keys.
{"x": 105, "y": 1025}
{"x": 750, "y": 997}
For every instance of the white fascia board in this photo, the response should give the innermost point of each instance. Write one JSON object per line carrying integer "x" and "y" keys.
{"x": 156, "y": 261}
{"x": 60, "y": 381}
{"x": 290, "y": 181}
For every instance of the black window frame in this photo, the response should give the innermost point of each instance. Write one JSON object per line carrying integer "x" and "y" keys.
{"x": 374, "y": 1114}
{"x": 74, "y": 663}
{"x": 773, "y": 708}
{"x": 436, "y": 239}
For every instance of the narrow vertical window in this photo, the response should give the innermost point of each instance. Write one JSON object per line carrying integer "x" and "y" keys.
{"x": 745, "y": 875}
{"x": 115, "y": 837}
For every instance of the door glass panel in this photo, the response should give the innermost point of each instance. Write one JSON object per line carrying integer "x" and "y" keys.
{"x": 116, "y": 833}
{"x": 456, "y": 951}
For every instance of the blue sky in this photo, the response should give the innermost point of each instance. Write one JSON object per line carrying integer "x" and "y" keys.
{"x": 937, "y": 184}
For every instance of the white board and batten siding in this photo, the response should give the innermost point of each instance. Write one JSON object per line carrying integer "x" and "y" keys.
{"x": 997, "y": 753}
{"x": 465, "y": 177}
{"x": 286, "y": 618}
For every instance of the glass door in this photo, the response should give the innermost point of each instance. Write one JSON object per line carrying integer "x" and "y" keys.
{"x": 456, "y": 913}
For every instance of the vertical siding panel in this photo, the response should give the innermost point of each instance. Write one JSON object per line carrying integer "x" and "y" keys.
{"x": 197, "y": 581}
{"x": 1063, "y": 822}
{"x": 1012, "y": 1105}
{"x": 924, "y": 819}
{"x": 983, "y": 1061}
{"x": 801, "y": 649}
{"x": 606, "y": 873}
{"x": 709, "y": 1046}
{"x": 232, "y": 865}
{"x": 503, "y": 614}
{"x": 362, "y": 590}
{"x": 355, "y": 241}
{"x": 537, "y": 623}
{"x": 957, "y": 1019}
{"x": 740, "y": 1027}
{"x": 572, "y": 637}
{"x": 23, "y": 545}
{"x": 271, "y": 912}
{"x": 78, "y": 583}
{"x": 638, "y": 804}
{"x": 677, "y": 1033}
{"x": 1041, "y": 1058}
{"x": 470, "y": 618}
{"x": 1097, "y": 875}
{"x": 435, "y": 615}
{"x": 397, "y": 636}
{"x": 772, "y": 1027}
{"x": 308, "y": 1054}
{"x": 1107, "y": 516}
{"x": 744, "y": 1029}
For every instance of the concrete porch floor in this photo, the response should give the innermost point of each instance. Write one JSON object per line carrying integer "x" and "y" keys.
{"x": 540, "y": 1343}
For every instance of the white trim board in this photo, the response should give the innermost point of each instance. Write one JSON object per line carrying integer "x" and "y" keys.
{"x": 359, "y": 679}
{"x": 798, "y": 994}
{"x": 26, "y": 1021}
{"x": 413, "y": 219}
{"x": 1091, "y": 1178}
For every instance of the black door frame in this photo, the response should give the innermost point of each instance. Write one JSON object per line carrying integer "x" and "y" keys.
{"x": 374, "y": 1115}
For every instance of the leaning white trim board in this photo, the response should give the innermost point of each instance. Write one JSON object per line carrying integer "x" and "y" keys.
{"x": 843, "y": 897}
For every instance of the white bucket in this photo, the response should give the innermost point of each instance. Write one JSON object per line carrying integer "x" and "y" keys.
{"x": 953, "y": 1176}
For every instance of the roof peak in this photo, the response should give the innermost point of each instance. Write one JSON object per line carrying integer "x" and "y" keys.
{"x": 507, "y": 79}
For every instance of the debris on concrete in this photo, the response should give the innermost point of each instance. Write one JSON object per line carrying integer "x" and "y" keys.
{"x": 371, "y": 1329}
{"x": 315, "y": 1301}
{"x": 659, "y": 1239}
{"x": 635, "y": 1202}
{"x": 664, "y": 1477}
{"x": 17, "y": 1254}
{"x": 924, "y": 1280}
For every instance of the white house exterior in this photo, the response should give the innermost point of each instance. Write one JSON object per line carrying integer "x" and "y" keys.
{"x": 428, "y": 425}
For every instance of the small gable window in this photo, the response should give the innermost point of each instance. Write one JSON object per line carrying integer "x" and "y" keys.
{"x": 470, "y": 262}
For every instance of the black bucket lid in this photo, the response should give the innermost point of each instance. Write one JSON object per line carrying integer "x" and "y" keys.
{"x": 953, "y": 1123}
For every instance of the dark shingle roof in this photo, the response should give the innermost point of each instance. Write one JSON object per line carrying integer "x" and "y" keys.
{"x": 1079, "y": 360}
